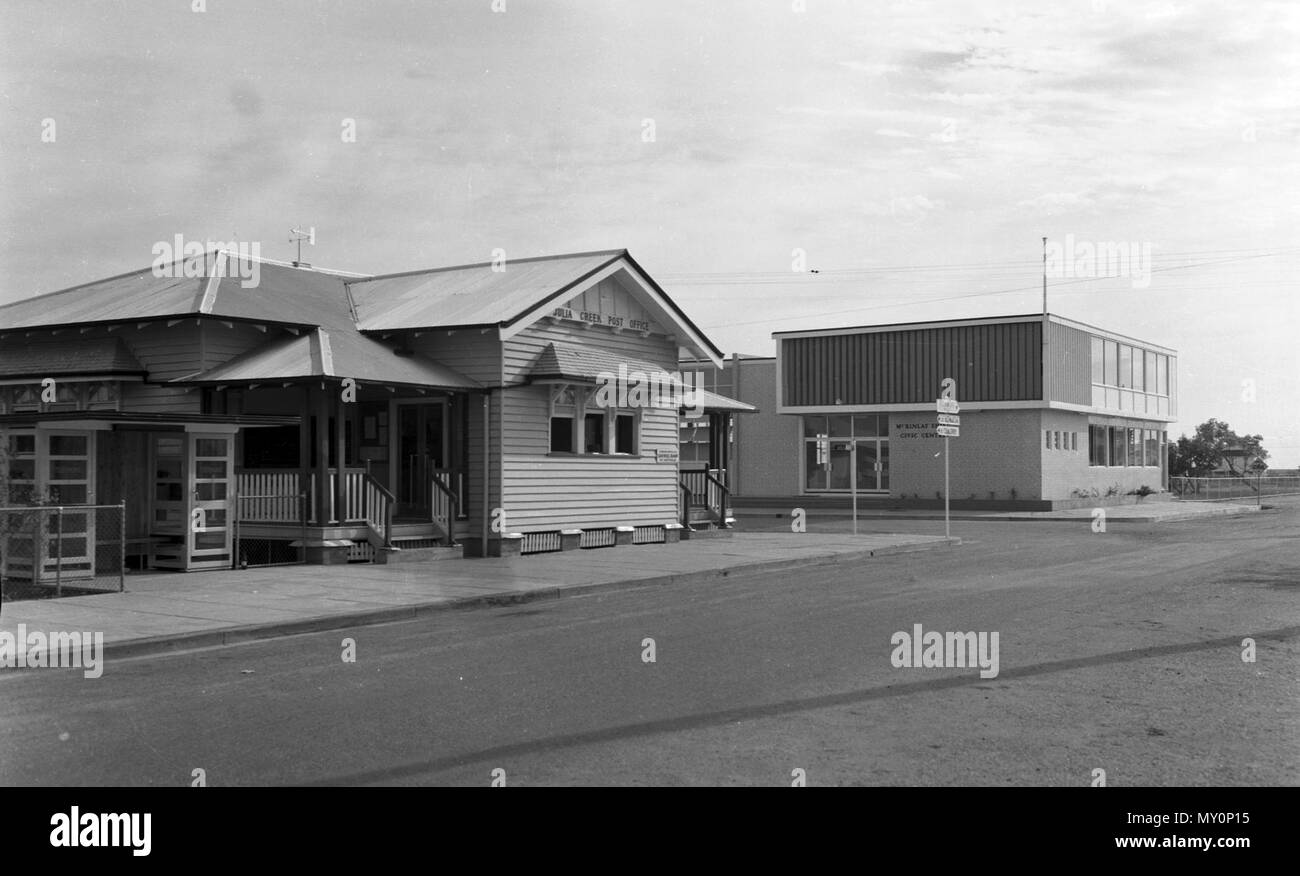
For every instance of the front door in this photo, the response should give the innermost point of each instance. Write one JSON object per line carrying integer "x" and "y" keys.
{"x": 191, "y": 501}
{"x": 66, "y": 460}
{"x": 420, "y": 438}
{"x": 873, "y": 464}
{"x": 212, "y": 459}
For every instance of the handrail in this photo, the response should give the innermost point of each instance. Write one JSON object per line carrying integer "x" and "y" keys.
{"x": 719, "y": 490}
{"x": 695, "y": 482}
{"x": 364, "y": 499}
{"x": 685, "y": 507}
{"x": 703, "y": 490}
{"x": 444, "y": 503}
{"x": 383, "y": 521}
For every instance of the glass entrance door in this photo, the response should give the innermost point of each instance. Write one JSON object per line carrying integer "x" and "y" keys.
{"x": 829, "y": 440}
{"x": 210, "y": 512}
{"x": 420, "y": 451}
{"x": 168, "y": 507}
{"x": 190, "y": 524}
{"x": 66, "y": 460}
{"x": 868, "y": 475}
{"x": 873, "y": 464}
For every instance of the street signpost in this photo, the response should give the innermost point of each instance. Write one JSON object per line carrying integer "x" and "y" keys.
{"x": 853, "y": 474}
{"x": 948, "y": 409}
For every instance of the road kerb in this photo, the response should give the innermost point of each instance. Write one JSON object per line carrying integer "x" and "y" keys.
{"x": 235, "y": 635}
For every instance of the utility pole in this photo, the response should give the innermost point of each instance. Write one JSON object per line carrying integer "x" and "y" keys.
{"x": 1044, "y": 276}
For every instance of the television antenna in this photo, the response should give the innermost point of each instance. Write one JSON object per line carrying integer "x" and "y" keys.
{"x": 297, "y": 235}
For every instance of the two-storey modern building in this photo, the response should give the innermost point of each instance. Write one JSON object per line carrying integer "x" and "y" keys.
{"x": 1052, "y": 410}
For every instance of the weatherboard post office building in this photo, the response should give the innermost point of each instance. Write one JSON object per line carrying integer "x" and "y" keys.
{"x": 1054, "y": 413}
{"x": 352, "y": 415}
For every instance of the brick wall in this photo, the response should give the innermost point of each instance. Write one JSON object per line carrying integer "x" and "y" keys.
{"x": 997, "y": 452}
{"x": 768, "y": 445}
{"x": 1064, "y": 468}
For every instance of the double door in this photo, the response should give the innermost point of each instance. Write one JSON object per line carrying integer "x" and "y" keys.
{"x": 192, "y": 492}
{"x": 830, "y": 464}
{"x": 54, "y": 469}
{"x": 420, "y": 452}
{"x": 873, "y": 464}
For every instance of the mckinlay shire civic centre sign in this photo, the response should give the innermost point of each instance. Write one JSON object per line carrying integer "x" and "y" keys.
{"x": 915, "y": 429}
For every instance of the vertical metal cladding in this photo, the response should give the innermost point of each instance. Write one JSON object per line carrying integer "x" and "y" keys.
{"x": 991, "y": 362}
{"x": 1070, "y": 375}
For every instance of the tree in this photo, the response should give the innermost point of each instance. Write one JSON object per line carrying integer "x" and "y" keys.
{"x": 1214, "y": 443}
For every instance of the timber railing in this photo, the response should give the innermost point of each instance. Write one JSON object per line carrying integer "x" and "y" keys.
{"x": 702, "y": 489}
{"x": 270, "y": 497}
{"x": 444, "y": 501}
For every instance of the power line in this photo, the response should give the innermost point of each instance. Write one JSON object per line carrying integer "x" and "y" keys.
{"x": 791, "y": 277}
{"x": 993, "y": 292}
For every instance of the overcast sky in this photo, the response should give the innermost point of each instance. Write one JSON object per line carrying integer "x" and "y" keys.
{"x": 914, "y": 154}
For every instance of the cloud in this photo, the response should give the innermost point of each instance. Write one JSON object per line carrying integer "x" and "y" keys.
{"x": 1053, "y": 203}
{"x": 871, "y": 69}
{"x": 245, "y": 99}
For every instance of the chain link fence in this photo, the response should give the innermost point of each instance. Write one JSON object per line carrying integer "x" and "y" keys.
{"x": 270, "y": 530}
{"x": 1227, "y": 488}
{"x": 62, "y": 550}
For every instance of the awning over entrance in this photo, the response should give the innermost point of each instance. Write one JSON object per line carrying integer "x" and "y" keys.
{"x": 712, "y": 401}
{"x": 590, "y": 365}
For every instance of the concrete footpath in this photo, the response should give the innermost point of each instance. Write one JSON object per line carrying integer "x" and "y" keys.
{"x": 164, "y": 612}
{"x": 1152, "y": 512}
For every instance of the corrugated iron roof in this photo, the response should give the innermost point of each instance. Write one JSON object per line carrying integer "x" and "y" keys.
{"x": 469, "y": 294}
{"x": 295, "y": 296}
{"x": 54, "y": 358}
{"x": 336, "y": 354}
{"x": 284, "y": 294}
{"x": 139, "y": 295}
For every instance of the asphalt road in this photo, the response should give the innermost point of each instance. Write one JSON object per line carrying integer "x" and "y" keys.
{"x": 1118, "y": 651}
